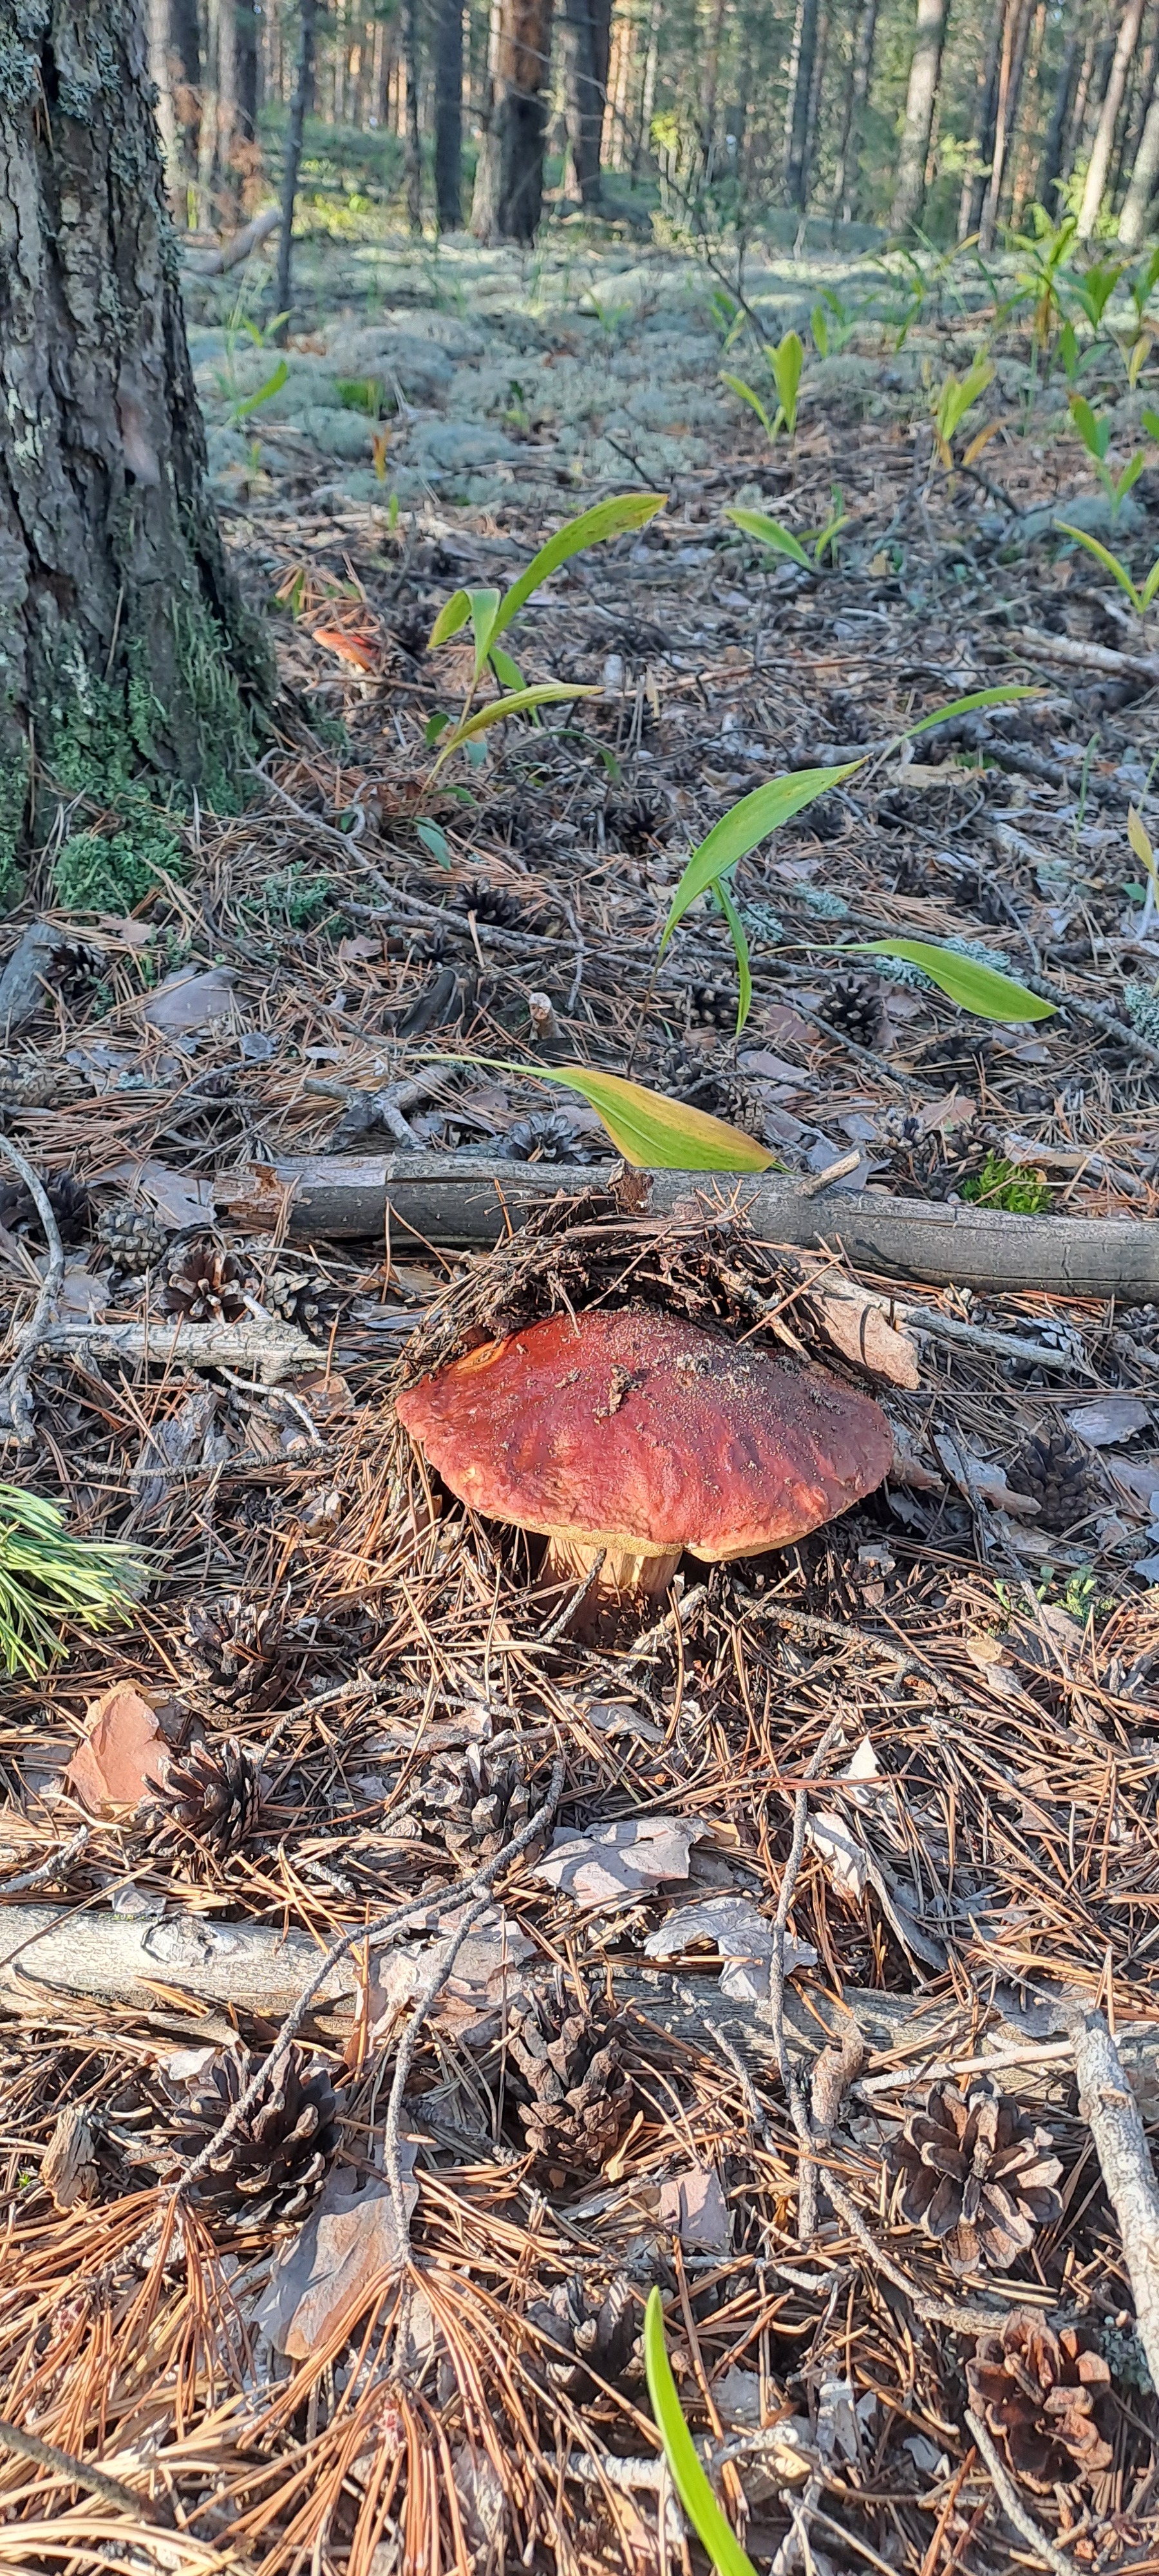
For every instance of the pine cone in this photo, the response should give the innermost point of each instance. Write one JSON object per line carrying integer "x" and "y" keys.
{"x": 975, "y": 2175}
{"x": 1037, "y": 2393}
{"x": 548, "y": 1136}
{"x": 210, "y": 1797}
{"x": 268, "y": 2172}
{"x": 135, "y": 1237}
{"x": 584, "y": 2326}
{"x": 232, "y": 1643}
{"x": 491, "y": 903}
{"x": 1051, "y": 1468}
{"x": 67, "y": 1197}
{"x": 205, "y": 1284}
{"x": 854, "y": 1005}
{"x": 633, "y": 823}
{"x": 723, "y": 1097}
{"x": 476, "y": 1800}
{"x": 303, "y": 1298}
{"x": 709, "y": 1006}
{"x": 579, "y": 2093}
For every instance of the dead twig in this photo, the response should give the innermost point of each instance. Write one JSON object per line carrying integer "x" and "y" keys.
{"x": 1111, "y": 2112}
{"x": 1012, "y": 2504}
{"x": 76, "y": 2473}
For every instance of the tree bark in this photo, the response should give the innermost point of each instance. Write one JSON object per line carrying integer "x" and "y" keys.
{"x": 982, "y": 137}
{"x": 1144, "y": 178}
{"x": 509, "y": 176}
{"x": 124, "y": 649}
{"x": 800, "y": 93}
{"x": 449, "y": 116}
{"x": 586, "y": 32}
{"x": 1096, "y": 178}
{"x": 302, "y": 100}
{"x": 925, "y": 72}
{"x": 414, "y": 158}
{"x": 849, "y": 149}
{"x": 1015, "y": 32}
{"x": 247, "y": 69}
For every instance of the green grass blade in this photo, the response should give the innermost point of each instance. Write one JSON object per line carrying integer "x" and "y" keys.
{"x": 545, "y": 693}
{"x": 745, "y": 827}
{"x": 740, "y": 951}
{"x": 769, "y": 532}
{"x": 688, "y": 2477}
{"x": 1110, "y": 562}
{"x": 617, "y": 517}
{"x": 980, "y": 989}
{"x": 968, "y": 706}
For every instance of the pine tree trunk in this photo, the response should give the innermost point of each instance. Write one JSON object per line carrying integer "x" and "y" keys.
{"x": 124, "y": 648}
{"x": 449, "y": 116}
{"x": 925, "y": 72}
{"x": 301, "y": 102}
{"x": 1144, "y": 179}
{"x": 247, "y": 69}
{"x": 1016, "y": 29}
{"x": 586, "y": 31}
{"x": 797, "y": 120}
{"x": 509, "y": 173}
{"x": 1050, "y": 166}
{"x": 1096, "y": 178}
{"x": 982, "y": 137}
{"x": 849, "y": 150}
{"x": 414, "y": 158}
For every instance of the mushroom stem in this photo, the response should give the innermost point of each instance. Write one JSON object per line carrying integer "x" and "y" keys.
{"x": 627, "y": 1577}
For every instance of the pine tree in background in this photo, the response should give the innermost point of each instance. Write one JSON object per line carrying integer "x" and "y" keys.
{"x": 921, "y": 98}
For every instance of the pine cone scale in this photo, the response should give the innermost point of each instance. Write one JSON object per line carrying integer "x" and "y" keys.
{"x": 974, "y": 2176}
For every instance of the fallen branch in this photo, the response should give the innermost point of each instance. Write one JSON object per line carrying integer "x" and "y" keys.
{"x": 272, "y": 1350}
{"x": 1111, "y": 2112}
{"x": 215, "y": 263}
{"x": 460, "y": 1199}
{"x": 15, "y": 1399}
{"x": 77, "y": 2473}
{"x": 1088, "y": 657}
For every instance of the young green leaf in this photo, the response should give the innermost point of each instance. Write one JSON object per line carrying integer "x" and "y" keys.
{"x": 273, "y": 385}
{"x": 545, "y": 693}
{"x": 654, "y": 1134}
{"x": 968, "y": 706}
{"x": 1150, "y": 421}
{"x": 434, "y": 841}
{"x": 1141, "y": 843}
{"x": 712, "y": 2530}
{"x": 617, "y": 517}
{"x": 1095, "y": 434}
{"x": 484, "y": 610}
{"x": 506, "y": 671}
{"x": 819, "y": 326}
{"x": 434, "y": 726}
{"x": 737, "y": 385}
{"x": 786, "y": 363}
{"x": 1140, "y": 601}
{"x": 980, "y": 989}
{"x": 740, "y": 948}
{"x": 742, "y": 830}
{"x": 769, "y": 532}
{"x": 451, "y": 617}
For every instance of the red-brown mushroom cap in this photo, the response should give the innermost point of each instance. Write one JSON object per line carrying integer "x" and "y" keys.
{"x": 635, "y": 1430}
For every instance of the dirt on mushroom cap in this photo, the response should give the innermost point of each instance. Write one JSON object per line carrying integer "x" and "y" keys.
{"x": 636, "y": 1429}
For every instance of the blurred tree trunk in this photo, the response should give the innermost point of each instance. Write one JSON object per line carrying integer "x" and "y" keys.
{"x": 216, "y": 175}
{"x": 175, "y": 66}
{"x": 508, "y": 196}
{"x": 125, "y": 653}
{"x": 982, "y": 135}
{"x": 1050, "y": 166}
{"x": 586, "y": 32}
{"x": 301, "y": 102}
{"x": 247, "y": 69}
{"x": 414, "y": 154}
{"x": 801, "y": 64}
{"x": 1096, "y": 178}
{"x": 1144, "y": 178}
{"x": 921, "y": 94}
{"x": 1015, "y": 30}
{"x": 648, "y": 90}
{"x": 849, "y": 147}
{"x": 449, "y": 116}
{"x": 1021, "y": 164}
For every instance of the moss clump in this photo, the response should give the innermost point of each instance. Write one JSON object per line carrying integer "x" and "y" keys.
{"x": 13, "y": 797}
{"x": 299, "y": 900}
{"x": 113, "y": 871}
{"x": 1004, "y": 1185}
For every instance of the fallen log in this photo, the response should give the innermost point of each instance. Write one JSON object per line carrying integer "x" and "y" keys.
{"x": 53, "y": 1957}
{"x": 212, "y": 263}
{"x": 459, "y": 1200}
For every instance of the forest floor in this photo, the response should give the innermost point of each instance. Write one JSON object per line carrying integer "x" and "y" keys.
{"x": 342, "y": 1698}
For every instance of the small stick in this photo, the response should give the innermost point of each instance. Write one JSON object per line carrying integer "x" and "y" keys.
{"x": 794, "y": 2093}
{"x": 15, "y": 1406}
{"x": 555, "y": 1627}
{"x": 966, "y": 2319}
{"x": 78, "y": 2473}
{"x": 54, "y": 1867}
{"x": 1111, "y": 2112}
{"x": 1012, "y": 2504}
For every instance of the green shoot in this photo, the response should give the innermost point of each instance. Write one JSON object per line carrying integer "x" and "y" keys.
{"x": 716, "y": 2535}
{"x": 490, "y": 614}
{"x": 47, "y": 1577}
{"x": 520, "y": 703}
{"x": 246, "y": 403}
{"x": 772, "y": 533}
{"x": 651, "y": 1132}
{"x": 786, "y": 362}
{"x": 1096, "y": 438}
{"x": 1094, "y": 289}
{"x": 745, "y": 393}
{"x": 955, "y": 397}
{"x": 1144, "y": 849}
{"x": 1140, "y": 599}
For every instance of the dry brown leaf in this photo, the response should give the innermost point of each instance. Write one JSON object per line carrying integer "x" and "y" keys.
{"x": 347, "y": 2249}
{"x": 124, "y": 1753}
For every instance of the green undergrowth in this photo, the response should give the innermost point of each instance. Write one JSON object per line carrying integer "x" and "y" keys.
{"x": 1000, "y": 1184}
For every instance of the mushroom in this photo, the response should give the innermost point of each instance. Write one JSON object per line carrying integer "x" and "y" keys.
{"x": 636, "y": 1433}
